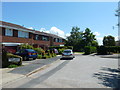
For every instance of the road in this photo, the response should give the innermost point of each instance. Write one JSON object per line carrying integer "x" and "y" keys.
{"x": 84, "y": 71}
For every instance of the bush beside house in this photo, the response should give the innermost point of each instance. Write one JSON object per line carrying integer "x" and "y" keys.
{"x": 41, "y": 53}
{"x": 89, "y": 50}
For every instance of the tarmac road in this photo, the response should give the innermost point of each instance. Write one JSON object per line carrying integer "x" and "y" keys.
{"x": 84, "y": 71}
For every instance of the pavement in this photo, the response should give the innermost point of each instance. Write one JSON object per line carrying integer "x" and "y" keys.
{"x": 28, "y": 67}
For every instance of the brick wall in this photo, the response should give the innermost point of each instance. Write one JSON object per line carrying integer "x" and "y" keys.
{"x": 58, "y": 43}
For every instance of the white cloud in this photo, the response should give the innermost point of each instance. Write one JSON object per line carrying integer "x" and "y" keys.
{"x": 55, "y": 30}
{"x": 117, "y": 38}
{"x": 31, "y": 28}
{"x": 42, "y": 29}
{"x": 67, "y": 34}
{"x": 97, "y": 33}
{"x": 100, "y": 40}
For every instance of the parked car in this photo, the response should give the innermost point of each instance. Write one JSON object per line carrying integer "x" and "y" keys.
{"x": 27, "y": 54}
{"x": 55, "y": 51}
{"x": 68, "y": 53}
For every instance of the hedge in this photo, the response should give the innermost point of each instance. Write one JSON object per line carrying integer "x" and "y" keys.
{"x": 89, "y": 50}
{"x": 102, "y": 50}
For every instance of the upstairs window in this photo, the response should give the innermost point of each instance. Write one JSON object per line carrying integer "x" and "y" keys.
{"x": 8, "y": 32}
{"x": 36, "y": 37}
{"x": 60, "y": 40}
{"x": 23, "y": 34}
{"x": 44, "y": 38}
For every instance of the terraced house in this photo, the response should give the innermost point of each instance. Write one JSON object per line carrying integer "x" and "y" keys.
{"x": 13, "y": 35}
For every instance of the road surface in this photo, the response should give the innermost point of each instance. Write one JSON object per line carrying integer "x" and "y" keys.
{"x": 84, "y": 71}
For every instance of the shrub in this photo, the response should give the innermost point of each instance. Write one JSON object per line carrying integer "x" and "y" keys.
{"x": 39, "y": 50}
{"x": 26, "y": 46}
{"x": 53, "y": 54}
{"x": 89, "y": 49}
{"x": 103, "y": 50}
{"x": 12, "y": 66}
{"x": 5, "y": 62}
{"x": 60, "y": 51}
{"x": 45, "y": 56}
{"x": 39, "y": 56}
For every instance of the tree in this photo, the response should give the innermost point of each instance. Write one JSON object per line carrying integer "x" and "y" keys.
{"x": 94, "y": 43}
{"x": 75, "y": 38}
{"x": 88, "y": 37}
{"x": 79, "y": 40}
{"x": 109, "y": 40}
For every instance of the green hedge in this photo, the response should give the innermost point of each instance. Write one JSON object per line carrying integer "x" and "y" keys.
{"x": 89, "y": 50}
{"x": 108, "y": 49}
{"x": 101, "y": 50}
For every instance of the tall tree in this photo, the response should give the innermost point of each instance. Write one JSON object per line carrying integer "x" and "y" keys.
{"x": 109, "y": 40}
{"x": 75, "y": 38}
{"x": 88, "y": 37}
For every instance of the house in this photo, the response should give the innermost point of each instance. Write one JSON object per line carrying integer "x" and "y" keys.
{"x": 13, "y": 35}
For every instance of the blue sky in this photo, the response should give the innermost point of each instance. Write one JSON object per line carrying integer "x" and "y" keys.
{"x": 60, "y": 17}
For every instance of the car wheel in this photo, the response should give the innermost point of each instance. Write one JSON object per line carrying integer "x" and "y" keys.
{"x": 34, "y": 58}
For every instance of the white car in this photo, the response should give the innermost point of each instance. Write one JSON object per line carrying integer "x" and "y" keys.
{"x": 68, "y": 53}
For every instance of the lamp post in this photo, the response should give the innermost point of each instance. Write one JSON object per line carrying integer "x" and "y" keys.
{"x": 118, "y": 15}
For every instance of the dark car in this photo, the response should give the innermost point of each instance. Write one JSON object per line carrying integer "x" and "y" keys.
{"x": 27, "y": 54}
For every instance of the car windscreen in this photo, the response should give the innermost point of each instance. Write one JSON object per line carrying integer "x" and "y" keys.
{"x": 67, "y": 52}
{"x": 30, "y": 50}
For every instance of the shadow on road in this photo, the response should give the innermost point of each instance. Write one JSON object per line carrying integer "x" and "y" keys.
{"x": 111, "y": 78}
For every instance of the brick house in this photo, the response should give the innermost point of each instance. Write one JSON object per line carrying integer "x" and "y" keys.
{"x": 12, "y": 35}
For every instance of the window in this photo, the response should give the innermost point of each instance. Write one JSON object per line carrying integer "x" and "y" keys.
{"x": 45, "y": 38}
{"x": 37, "y": 37}
{"x": 23, "y": 34}
{"x": 8, "y": 32}
{"x": 60, "y": 40}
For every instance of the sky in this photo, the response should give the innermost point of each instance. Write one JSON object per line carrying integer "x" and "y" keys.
{"x": 59, "y": 17}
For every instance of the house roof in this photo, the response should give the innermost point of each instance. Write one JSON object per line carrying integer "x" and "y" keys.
{"x": 14, "y": 25}
{"x": 34, "y": 31}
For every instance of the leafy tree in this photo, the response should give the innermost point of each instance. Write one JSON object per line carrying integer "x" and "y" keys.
{"x": 75, "y": 38}
{"x": 88, "y": 37}
{"x": 109, "y": 40}
{"x": 79, "y": 40}
{"x": 94, "y": 43}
